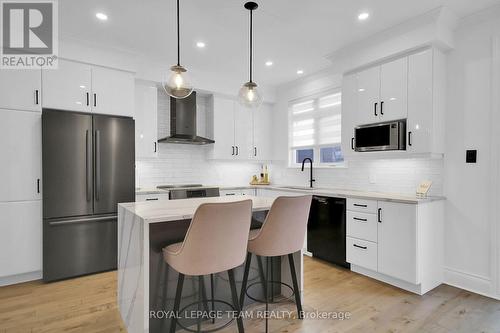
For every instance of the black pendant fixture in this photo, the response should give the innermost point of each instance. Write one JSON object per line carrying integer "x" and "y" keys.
{"x": 178, "y": 84}
{"x": 249, "y": 95}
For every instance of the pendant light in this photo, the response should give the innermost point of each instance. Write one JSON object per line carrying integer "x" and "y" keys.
{"x": 178, "y": 84}
{"x": 249, "y": 95}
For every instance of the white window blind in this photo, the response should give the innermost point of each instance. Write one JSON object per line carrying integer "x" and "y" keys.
{"x": 315, "y": 125}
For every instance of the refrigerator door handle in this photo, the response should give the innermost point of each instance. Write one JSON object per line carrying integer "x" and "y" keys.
{"x": 97, "y": 164}
{"x": 92, "y": 219}
{"x": 88, "y": 164}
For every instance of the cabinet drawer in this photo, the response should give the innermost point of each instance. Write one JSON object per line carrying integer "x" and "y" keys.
{"x": 363, "y": 206}
{"x": 151, "y": 197}
{"x": 362, "y": 225}
{"x": 361, "y": 253}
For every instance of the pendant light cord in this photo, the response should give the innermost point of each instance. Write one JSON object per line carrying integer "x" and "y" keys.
{"x": 178, "y": 37}
{"x": 251, "y": 43}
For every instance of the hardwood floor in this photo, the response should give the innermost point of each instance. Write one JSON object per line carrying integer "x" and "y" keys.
{"x": 88, "y": 304}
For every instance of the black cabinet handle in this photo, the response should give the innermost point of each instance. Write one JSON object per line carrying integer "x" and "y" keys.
{"x": 379, "y": 215}
{"x": 237, "y": 150}
{"x": 359, "y": 205}
{"x": 359, "y": 219}
{"x": 255, "y": 151}
{"x": 233, "y": 150}
{"x": 409, "y": 138}
{"x": 359, "y": 246}
{"x": 352, "y": 143}
{"x": 375, "y": 110}
{"x": 152, "y": 199}
{"x": 382, "y": 108}
{"x": 38, "y": 185}
{"x": 155, "y": 146}
{"x": 88, "y": 99}
{"x": 230, "y": 193}
{"x": 36, "y": 97}
{"x": 95, "y": 100}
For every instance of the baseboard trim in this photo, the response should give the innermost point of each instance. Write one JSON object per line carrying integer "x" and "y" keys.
{"x": 20, "y": 278}
{"x": 474, "y": 283}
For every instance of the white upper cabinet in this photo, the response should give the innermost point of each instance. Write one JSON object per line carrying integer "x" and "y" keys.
{"x": 426, "y": 102}
{"x": 262, "y": 119}
{"x": 223, "y": 129}
{"x": 240, "y": 133}
{"x": 20, "y": 89}
{"x": 76, "y": 86}
{"x": 112, "y": 92}
{"x": 411, "y": 88}
{"x": 368, "y": 92}
{"x": 68, "y": 87}
{"x": 146, "y": 127}
{"x": 20, "y": 144}
{"x": 243, "y": 132}
{"x": 393, "y": 90}
{"x": 397, "y": 241}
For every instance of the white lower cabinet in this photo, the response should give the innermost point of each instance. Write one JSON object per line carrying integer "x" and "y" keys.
{"x": 20, "y": 237}
{"x": 398, "y": 243}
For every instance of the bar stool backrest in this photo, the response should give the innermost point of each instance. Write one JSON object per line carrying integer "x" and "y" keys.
{"x": 217, "y": 237}
{"x": 285, "y": 227}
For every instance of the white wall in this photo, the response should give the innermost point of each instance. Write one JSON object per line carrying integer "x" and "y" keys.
{"x": 470, "y": 247}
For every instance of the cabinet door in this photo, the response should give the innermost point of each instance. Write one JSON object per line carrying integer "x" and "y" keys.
{"x": 68, "y": 87}
{"x": 393, "y": 90}
{"x": 262, "y": 149}
{"x": 349, "y": 110}
{"x": 20, "y": 237}
{"x": 223, "y": 127}
{"x": 368, "y": 91}
{"x": 112, "y": 92}
{"x": 397, "y": 241}
{"x": 243, "y": 132}
{"x": 146, "y": 130}
{"x": 20, "y": 89}
{"x": 419, "y": 124}
{"x": 20, "y": 145}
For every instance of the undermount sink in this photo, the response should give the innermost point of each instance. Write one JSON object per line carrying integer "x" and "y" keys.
{"x": 302, "y": 188}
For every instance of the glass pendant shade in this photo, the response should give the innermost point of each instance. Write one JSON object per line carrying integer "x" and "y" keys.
{"x": 178, "y": 84}
{"x": 249, "y": 96}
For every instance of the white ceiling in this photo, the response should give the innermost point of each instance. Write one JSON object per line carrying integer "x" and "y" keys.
{"x": 292, "y": 33}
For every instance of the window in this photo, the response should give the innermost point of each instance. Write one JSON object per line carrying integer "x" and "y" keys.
{"x": 315, "y": 129}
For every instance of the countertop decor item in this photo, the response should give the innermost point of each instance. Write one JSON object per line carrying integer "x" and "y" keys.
{"x": 178, "y": 84}
{"x": 249, "y": 95}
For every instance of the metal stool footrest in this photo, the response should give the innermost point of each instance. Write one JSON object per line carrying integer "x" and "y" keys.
{"x": 283, "y": 300}
{"x": 212, "y": 329}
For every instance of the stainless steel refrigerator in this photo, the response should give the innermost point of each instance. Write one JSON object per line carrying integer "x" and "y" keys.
{"x": 88, "y": 168}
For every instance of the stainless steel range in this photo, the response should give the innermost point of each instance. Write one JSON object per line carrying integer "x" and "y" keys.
{"x": 186, "y": 191}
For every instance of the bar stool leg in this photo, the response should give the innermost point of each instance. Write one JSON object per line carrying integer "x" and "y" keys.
{"x": 236, "y": 304}
{"x": 200, "y": 300}
{"x": 245, "y": 279}
{"x": 213, "y": 296}
{"x": 159, "y": 280}
{"x": 177, "y": 302}
{"x": 203, "y": 292}
{"x": 295, "y": 286}
{"x": 267, "y": 295}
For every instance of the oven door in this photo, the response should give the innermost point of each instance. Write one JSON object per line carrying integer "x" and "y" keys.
{"x": 379, "y": 137}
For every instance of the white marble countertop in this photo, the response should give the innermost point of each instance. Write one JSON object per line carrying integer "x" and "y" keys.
{"x": 174, "y": 210}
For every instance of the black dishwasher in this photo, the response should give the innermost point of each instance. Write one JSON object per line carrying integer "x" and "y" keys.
{"x": 326, "y": 230}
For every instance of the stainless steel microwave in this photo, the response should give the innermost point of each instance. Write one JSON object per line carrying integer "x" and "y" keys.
{"x": 379, "y": 137}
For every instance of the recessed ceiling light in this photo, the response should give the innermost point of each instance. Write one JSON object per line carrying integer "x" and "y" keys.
{"x": 269, "y": 63}
{"x": 363, "y": 16}
{"x": 300, "y": 72}
{"x": 200, "y": 45}
{"x": 101, "y": 16}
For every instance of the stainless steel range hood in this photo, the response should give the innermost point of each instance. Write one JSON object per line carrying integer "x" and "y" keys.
{"x": 183, "y": 122}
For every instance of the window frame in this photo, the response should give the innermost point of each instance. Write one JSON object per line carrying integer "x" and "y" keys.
{"x": 316, "y": 147}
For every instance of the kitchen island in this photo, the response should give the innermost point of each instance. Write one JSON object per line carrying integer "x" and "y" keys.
{"x": 146, "y": 285}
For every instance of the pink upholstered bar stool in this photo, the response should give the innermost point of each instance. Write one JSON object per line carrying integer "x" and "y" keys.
{"x": 282, "y": 233}
{"x": 216, "y": 241}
